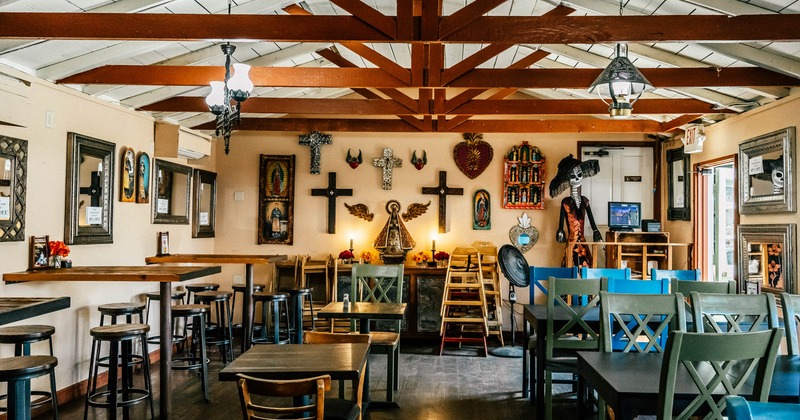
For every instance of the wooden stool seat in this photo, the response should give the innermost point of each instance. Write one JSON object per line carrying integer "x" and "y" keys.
{"x": 22, "y": 336}
{"x": 298, "y": 297}
{"x": 122, "y": 308}
{"x": 25, "y": 367}
{"x": 176, "y": 294}
{"x": 26, "y": 334}
{"x": 267, "y": 299}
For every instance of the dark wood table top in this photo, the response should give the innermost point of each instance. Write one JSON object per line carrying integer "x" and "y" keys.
{"x": 536, "y": 314}
{"x": 13, "y": 309}
{"x": 292, "y": 361}
{"x": 215, "y": 259}
{"x": 364, "y": 310}
{"x": 155, "y": 273}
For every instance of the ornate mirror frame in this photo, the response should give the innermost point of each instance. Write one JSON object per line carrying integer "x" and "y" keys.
{"x": 678, "y": 164}
{"x": 79, "y": 178}
{"x": 760, "y": 158}
{"x": 165, "y": 186}
{"x": 203, "y": 220}
{"x": 766, "y": 256}
{"x": 13, "y": 181}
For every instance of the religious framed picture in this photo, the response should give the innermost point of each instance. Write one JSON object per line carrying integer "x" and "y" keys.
{"x": 143, "y": 178}
{"x": 276, "y": 199}
{"x": 127, "y": 190}
{"x": 481, "y": 210}
{"x": 39, "y": 252}
{"x": 162, "y": 246}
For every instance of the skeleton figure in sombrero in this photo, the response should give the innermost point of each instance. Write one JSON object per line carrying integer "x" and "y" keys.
{"x": 575, "y": 208}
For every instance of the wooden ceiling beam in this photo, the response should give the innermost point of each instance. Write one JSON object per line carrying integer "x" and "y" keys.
{"x": 484, "y": 29}
{"x": 676, "y": 123}
{"x": 369, "y": 15}
{"x": 582, "y": 106}
{"x": 378, "y": 78}
{"x": 378, "y": 59}
{"x": 474, "y": 60}
{"x": 481, "y": 126}
{"x": 466, "y": 15}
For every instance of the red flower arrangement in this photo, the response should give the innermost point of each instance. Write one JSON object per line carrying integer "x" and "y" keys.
{"x": 441, "y": 256}
{"x": 58, "y": 249}
{"x": 346, "y": 255}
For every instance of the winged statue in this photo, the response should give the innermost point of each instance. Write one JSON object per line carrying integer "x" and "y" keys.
{"x": 361, "y": 211}
{"x": 415, "y": 210}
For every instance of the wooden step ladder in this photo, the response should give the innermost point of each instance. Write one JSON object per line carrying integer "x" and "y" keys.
{"x": 490, "y": 269}
{"x": 464, "y": 315}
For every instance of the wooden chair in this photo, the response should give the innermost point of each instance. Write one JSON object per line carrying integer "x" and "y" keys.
{"x": 656, "y": 274}
{"x": 490, "y": 271}
{"x": 382, "y": 283}
{"x": 314, "y": 387}
{"x": 562, "y": 343}
{"x": 741, "y": 409}
{"x": 716, "y": 361}
{"x": 734, "y": 313}
{"x": 334, "y": 404}
{"x": 791, "y": 316}
{"x": 317, "y": 267}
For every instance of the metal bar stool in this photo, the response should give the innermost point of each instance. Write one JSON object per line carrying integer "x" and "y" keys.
{"x": 177, "y": 298}
{"x": 297, "y": 297}
{"x": 22, "y": 337}
{"x": 120, "y": 338}
{"x": 198, "y": 287}
{"x": 18, "y": 372}
{"x": 267, "y": 299}
{"x": 113, "y": 311}
{"x": 191, "y": 360}
{"x": 220, "y": 302}
{"x": 240, "y": 288}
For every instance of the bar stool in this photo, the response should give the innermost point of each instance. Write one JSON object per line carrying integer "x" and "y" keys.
{"x": 192, "y": 361}
{"x": 18, "y": 372}
{"x": 198, "y": 287}
{"x": 120, "y": 338}
{"x": 267, "y": 299}
{"x": 297, "y": 297}
{"x": 114, "y": 310}
{"x": 220, "y": 301}
{"x": 22, "y": 337}
{"x": 241, "y": 288}
{"x": 177, "y": 297}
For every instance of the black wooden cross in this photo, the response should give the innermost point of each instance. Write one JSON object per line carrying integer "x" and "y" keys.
{"x": 331, "y": 192}
{"x": 94, "y": 190}
{"x": 442, "y": 191}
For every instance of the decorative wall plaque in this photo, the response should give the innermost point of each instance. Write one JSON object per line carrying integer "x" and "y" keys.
{"x": 473, "y": 155}
{"x": 388, "y": 162}
{"x": 524, "y": 178}
{"x": 481, "y": 210}
{"x": 315, "y": 140}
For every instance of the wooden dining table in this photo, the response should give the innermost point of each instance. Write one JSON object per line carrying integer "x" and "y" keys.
{"x": 164, "y": 275}
{"x": 629, "y": 382}
{"x": 248, "y": 260}
{"x": 366, "y": 311}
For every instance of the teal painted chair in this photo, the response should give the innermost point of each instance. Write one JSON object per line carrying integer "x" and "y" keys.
{"x": 609, "y": 273}
{"x": 720, "y": 313}
{"x": 656, "y": 274}
{"x": 741, "y": 409}
{"x": 541, "y": 274}
{"x": 707, "y": 359}
{"x": 791, "y": 317}
{"x": 638, "y": 287}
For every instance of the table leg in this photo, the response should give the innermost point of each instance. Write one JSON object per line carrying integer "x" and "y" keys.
{"x": 165, "y": 364}
{"x": 363, "y": 328}
{"x": 298, "y": 319}
{"x": 19, "y": 407}
{"x": 525, "y": 355}
{"x": 247, "y": 308}
{"x": 539, "y": 374}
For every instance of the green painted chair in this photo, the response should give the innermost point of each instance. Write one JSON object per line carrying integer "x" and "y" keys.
{"x": 734, "y": 313}
{"x": 716, "y": 362}
{"x": 791, "y": 316}
{"x": 686, "y": 287}
{"x": 563, "y": 342}
{"x": 381, "y": 283}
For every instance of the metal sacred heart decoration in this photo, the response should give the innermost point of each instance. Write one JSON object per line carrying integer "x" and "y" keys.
{"x": 473, "y": 155}
{"x": 524, "y": 236}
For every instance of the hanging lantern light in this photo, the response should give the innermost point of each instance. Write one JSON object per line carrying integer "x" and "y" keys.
{"x": 620, "y": 84}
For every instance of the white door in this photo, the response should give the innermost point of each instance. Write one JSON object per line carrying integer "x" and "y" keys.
{"x": 626, "y": 174}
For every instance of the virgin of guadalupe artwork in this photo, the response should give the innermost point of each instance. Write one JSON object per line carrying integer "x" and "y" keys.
{"x": 276, "y": 199}
{"x": 575, "y": 207}
{"x": 143, "y": 178}
{"x": 128, "y": 178}
{"x": 277, "y": 179}
{"x": 481, "y": 215}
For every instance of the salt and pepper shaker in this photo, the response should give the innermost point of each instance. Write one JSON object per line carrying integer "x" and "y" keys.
{"x": 346, "y": 302}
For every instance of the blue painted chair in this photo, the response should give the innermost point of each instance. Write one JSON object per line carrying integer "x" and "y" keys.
{"x": 656, "y": 274}
{"x": 609, "y": 273}
{"x": 540, "y": 274}
{"x": 638, "y": 287}
{"x": 738, "y": 408}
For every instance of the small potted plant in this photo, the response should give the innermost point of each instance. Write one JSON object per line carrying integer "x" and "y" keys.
{"x": 59, "y": 251}
{"x": 367, "y": 257}
{"x": 441, "y": 258}
{"x": 346, "y": 256}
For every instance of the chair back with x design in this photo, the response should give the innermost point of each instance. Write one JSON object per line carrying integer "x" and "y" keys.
{"x": 541, "y": 274}
{"x": 639, "y": 323}
{"x": 716, "y": 362}
{"x": 791, "y": 317}
{"x": 734, "y": 313}
{"x": 378, "y": 283}
{"x": 563, "y": 336}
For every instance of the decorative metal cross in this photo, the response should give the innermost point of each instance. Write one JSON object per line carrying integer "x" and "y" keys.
{"x": 94, "y": 190}
{"x": 442, "y": 191}
{"x": 331, "y": 192}
{"x": 388, "y": 162}
{"x": 314, "y": 141}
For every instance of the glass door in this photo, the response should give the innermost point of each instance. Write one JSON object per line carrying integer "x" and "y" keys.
{"x": 716, "y": 219}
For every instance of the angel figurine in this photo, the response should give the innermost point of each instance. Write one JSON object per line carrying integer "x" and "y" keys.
{"x": 575, "y": 207}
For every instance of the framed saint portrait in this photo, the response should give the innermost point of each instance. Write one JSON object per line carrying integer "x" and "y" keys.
{"x": 127, "y": 188}
{"x": 143, "y": 178}
{"x": 482, "y": 211}
{"x": 276, "y": 199}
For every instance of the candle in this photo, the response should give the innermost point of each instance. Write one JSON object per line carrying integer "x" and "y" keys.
{"x": 351, "y": 243}
{"x": 433, "y": 245}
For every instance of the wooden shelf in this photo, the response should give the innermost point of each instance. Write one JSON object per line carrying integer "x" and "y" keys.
{"x": 524, "y": 178}
{"x": 636, "y": 250}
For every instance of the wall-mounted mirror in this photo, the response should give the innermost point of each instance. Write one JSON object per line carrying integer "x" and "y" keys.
{"x": 766, "y": 173}
{"x": 205, "y": 203}
{"x": 13, "y": 181}
{"x": 678, "y": 171}
{"x": 90, "y": 207}
{"x": 766, "y": 258}
{"x": 171, "y": 192}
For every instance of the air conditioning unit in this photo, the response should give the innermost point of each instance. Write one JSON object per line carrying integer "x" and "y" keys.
{"x": 174, "y": 141}
{"x": 15, "y": 102}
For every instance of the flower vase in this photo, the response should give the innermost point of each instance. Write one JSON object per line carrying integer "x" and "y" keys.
{"x": 441, "y": 264}
{"x": 56, "y": 263}
{"x": 422, "y": 264}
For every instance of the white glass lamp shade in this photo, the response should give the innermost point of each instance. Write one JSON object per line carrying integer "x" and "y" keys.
{"x": 216, "y": 99}
{"x": 240, "y": 84}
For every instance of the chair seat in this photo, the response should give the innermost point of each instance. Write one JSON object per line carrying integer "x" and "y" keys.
{"x": 562, "y": 364}
{"x": 341, "y": 409}
{"x": 25, "y": 333}
{"x": 25, "y": 367}
{"x": 384, "y": 338}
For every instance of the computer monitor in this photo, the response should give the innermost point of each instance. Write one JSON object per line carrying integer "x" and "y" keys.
{"x": 624, "y": 216}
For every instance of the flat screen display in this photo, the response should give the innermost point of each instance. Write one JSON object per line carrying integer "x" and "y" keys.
{"x": 624, "y": 215}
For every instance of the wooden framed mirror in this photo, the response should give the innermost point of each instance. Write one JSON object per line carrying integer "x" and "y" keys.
{"x": 204, "y": 191}
{"x": 766, "y": 173}
{"x": 13, "y": 184}
{"x": 678, "y": 164}
{"x": 766, "y": 258}
{"x": 90, "y": 175}
{"x": 171, "y": 188}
